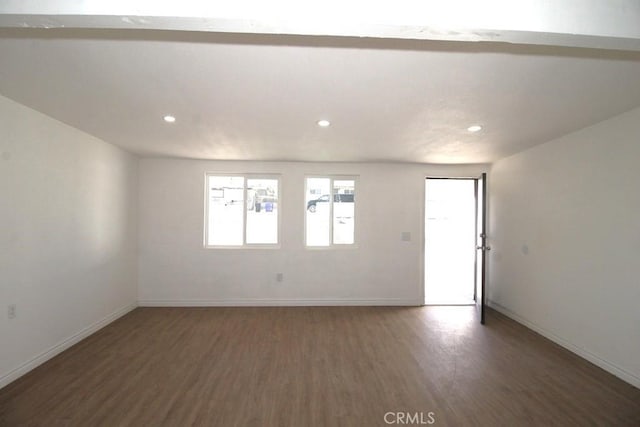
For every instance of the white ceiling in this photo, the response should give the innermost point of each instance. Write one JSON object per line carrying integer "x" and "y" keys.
{"x": 258, "y": 97}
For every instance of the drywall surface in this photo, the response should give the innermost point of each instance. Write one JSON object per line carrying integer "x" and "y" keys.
{"x": 68, "y": 236}
{"x": 175, "y": 268}
{"x": 565, "y": 232}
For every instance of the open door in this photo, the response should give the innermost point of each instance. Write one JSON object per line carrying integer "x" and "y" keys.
{"x": 481, "y": 244}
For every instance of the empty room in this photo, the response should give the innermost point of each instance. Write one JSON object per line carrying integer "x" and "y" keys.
{"x": 240, "y": 213}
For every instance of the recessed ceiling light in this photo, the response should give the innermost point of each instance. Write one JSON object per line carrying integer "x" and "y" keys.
{"x": 323, "y": 123}
{"x": 474, "y": 128}
{"x": 169, "y": 119}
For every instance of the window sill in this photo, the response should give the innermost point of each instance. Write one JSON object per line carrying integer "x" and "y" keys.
{"x": 250, "y": 247}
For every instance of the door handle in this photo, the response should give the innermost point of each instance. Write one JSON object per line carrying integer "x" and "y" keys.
{"x": 484, "y": 248}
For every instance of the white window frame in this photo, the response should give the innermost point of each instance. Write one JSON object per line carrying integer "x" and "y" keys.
{"x": 244, "y": 245}
{"x": 332, "y": 245}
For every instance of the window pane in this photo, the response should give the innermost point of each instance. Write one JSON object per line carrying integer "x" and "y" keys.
{"x": 226, "y": 201}
{"x": 318, "y": 211}
{"x": 343, "y": 212}
{"x": 262, "y": 211}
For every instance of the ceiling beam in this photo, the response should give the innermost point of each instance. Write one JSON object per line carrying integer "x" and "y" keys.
{"x": 612, "y": 24}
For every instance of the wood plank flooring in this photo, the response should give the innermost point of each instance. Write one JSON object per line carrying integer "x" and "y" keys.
{"x": 316, "y": 366}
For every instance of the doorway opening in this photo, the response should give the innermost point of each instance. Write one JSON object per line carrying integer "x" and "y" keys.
{"x": 451, "y": 214}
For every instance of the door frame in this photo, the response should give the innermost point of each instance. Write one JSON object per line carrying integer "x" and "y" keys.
{"x": 477, "y": 178}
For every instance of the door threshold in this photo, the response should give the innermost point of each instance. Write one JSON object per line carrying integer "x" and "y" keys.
{"x": 449, "y": 303}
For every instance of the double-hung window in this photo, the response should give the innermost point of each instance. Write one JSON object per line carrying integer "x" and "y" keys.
{"x": 330, "y": 211}
{"x": 242, "y": 210}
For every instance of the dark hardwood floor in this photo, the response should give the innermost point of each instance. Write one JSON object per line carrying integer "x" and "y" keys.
{"x": 316, "y": 366}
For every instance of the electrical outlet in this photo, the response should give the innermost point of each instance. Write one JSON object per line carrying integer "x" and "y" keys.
{"x": 279, "y": 277}
{"x": 11, "y": 311}
{"x": 405, "y": 236}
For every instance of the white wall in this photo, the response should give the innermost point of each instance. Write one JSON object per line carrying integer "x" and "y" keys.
{"x": 565, "y": 231}
{"x": 68, "y": 236}
{"x": 175, "y": 269}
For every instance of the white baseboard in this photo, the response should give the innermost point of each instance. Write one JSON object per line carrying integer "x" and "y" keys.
{"x": 259, "y": 302}
{"x": 585, "y": 354}
{"x": 63, "y": 345}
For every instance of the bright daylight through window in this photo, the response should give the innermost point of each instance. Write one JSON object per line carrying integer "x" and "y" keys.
{"x": 330, "y": 217}
{"x": 241, "y": 210}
